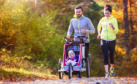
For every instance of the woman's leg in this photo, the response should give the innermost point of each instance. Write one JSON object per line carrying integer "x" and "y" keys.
{"x": 111, "y": 66}
{"x": 106, "y": 68}
{"x": 112, "y": 50}
{"x": 104, "y": 47}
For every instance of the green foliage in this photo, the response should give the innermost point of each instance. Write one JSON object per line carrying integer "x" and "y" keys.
{"x": 2, "y": 2}
{"x": 95, "y": 13}
{"x": 5, "y": 58}
{"x": 34, "y": 34}
{"x": 97, "y": 67}
{"x": 128, "y": 67}
{"x": 29, "y": 36}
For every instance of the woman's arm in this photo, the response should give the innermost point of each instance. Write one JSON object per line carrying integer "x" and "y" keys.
{"x": 114, "y": 25}
{"x": 99, "y": 29}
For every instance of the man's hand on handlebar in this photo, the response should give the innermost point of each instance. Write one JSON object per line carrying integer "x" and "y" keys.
{"x": 80, "y": 37}
{"x": 68, "y": 36}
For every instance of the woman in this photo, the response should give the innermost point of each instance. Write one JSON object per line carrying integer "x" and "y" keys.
{"x": 107, "y": 30}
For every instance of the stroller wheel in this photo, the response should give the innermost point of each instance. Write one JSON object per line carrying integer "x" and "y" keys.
{"x": 70, "y": 71}
{"x": 60, "y": 73}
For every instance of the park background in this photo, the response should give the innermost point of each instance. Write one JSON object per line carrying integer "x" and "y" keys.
{"x": 32, "y": 37}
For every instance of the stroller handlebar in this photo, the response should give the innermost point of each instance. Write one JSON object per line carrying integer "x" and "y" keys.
{"x": 72, "y": 38}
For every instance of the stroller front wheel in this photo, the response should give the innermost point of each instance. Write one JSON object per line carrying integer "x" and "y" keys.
{"x": 70, "y": 71}
{"x": 60, "y": 73}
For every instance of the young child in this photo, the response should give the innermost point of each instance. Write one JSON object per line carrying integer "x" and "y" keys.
{"x": 71, "y": 58}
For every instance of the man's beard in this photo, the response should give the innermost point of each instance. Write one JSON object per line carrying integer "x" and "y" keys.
{"x": 79, "y": 15}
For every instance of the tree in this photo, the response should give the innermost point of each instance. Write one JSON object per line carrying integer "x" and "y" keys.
{"x": 36, "y": 5}
{"x": 125, "y": 12}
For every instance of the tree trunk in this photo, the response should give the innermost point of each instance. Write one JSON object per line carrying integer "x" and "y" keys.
{"x": 36, "y": 5}
{"x": 131, "y": 21}
{"x": 126, "y": 26}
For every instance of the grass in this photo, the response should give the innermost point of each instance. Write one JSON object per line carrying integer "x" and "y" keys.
{"x": 14, "y": 74}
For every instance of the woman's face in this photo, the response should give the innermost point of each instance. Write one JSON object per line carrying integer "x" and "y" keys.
{"x": 107, "y": 13}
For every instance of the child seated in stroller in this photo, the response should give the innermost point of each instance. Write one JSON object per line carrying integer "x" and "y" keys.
{"x": 72, "y": 58}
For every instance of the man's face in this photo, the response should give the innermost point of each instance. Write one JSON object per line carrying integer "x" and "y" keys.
{"x": 78, "y": 12}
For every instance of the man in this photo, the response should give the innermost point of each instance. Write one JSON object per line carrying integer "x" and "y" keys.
{"x": 82, "y": 27}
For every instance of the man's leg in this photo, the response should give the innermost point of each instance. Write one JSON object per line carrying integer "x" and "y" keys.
{"x": 79, "y": 75}
{"x": 86, "y": 49}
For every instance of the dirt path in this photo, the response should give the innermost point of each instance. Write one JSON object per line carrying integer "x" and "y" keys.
{"x": 92, "y": 80}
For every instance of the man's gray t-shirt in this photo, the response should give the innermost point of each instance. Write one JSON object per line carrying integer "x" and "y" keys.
{"x": 78, "y": 24}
